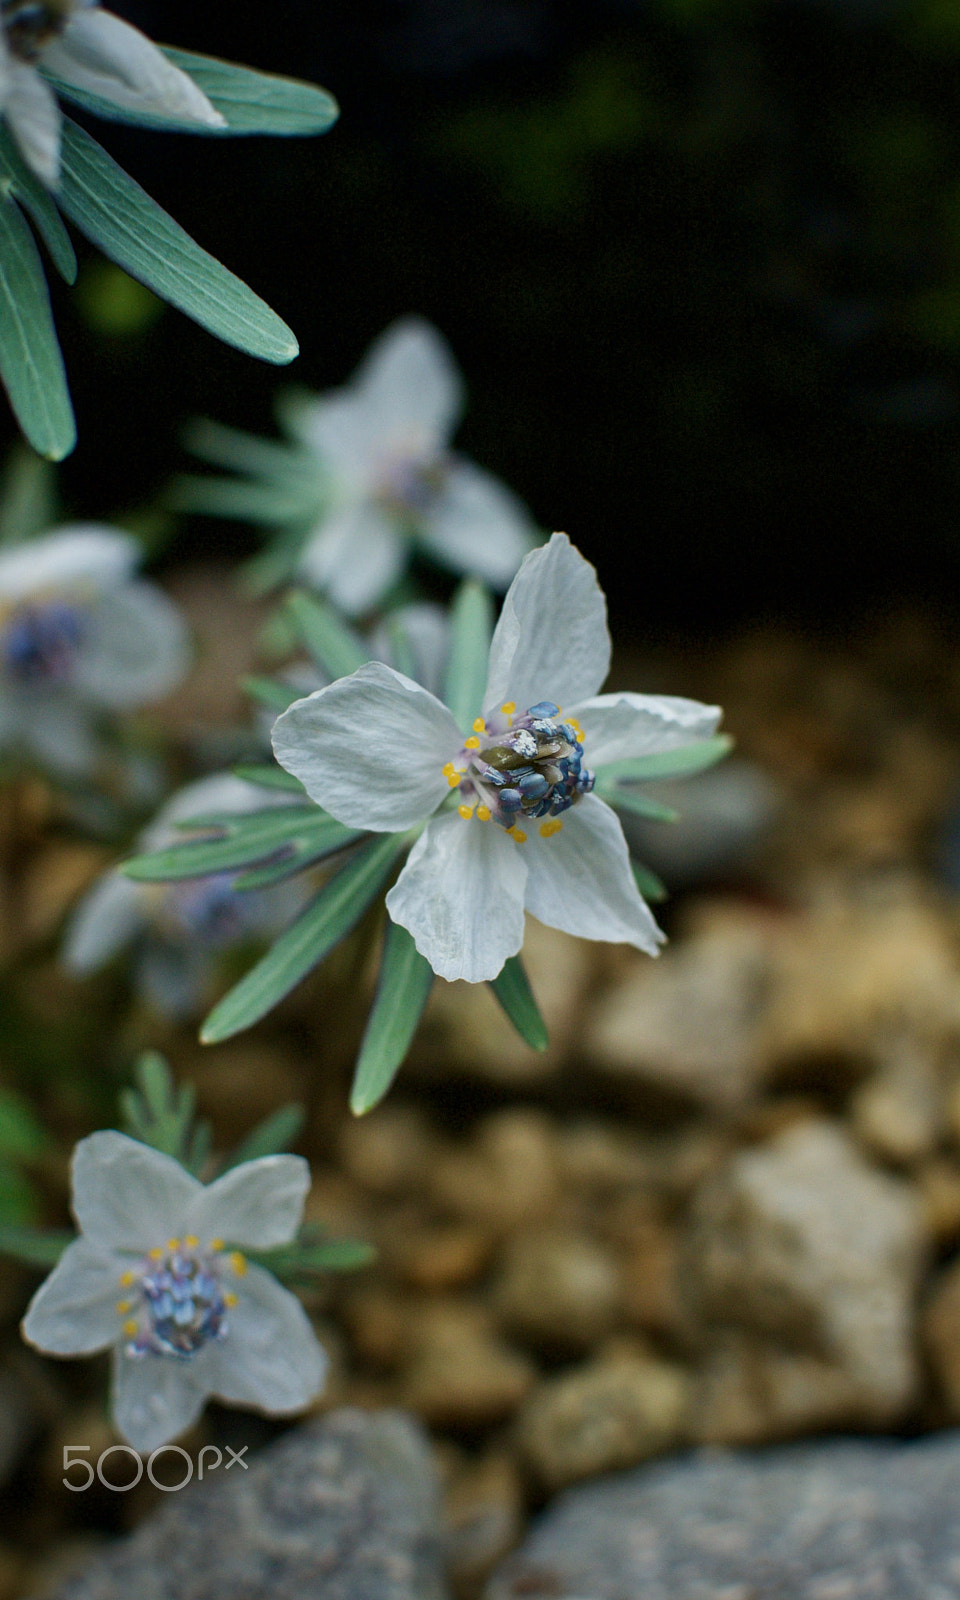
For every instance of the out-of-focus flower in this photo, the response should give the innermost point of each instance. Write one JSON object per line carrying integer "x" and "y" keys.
{"x": 180, "y": 931}
{"x": 372, "y": 477}
{"x": 87, "y": 49}
{"x": 157, "y": 1276}
{"x": 380, "y": 752}
{"x": 80, "y": 636}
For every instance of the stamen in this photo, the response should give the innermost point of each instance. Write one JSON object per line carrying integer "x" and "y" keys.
{"x": 466, "y": 812}
{"x": 483, "y": 813}
{"x": 533, "y": 769}
{"x": 479, "y": 726}
{"x": 122, "y": 1307}
{"x": 473, "y": 743}
{"x": 509, "y": 708}
{"x": 238, "y": 1263}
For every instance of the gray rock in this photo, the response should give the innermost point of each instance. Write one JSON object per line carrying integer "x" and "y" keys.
{"x": 344, "y": 1508}
{"x": 844, "y": 1520}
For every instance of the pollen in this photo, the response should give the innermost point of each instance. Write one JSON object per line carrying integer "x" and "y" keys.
{"x": 548, "y": 829}
{"x": 173, "y": 1244}
{"x": 473, "y": 743}
{"x": 483, "y": 813}
{"x": 466, "y": 812}
{"x": 122, "y": 1307}
{"x": 509, "y": 708}
{"x": 127, "y": 1279}
{"x": 447, "y": 768}
{"x": 229, "y": 1299}
{"x": 479, "y": 726}
{"x": 453, "y": 778}
{"x": 131, "y": 1328}
{"x": 517, "y": 834}
{"x": 216, "y": 1244}
{"x": 190, "y": 1241}
{"x": 238, "y": 1263}
{"x": 157, "y": 1253}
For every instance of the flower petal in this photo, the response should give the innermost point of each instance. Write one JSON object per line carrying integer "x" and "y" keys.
{"x": 127, "y": 1196}
{"x": 370, "y": 748}
{"x": 31, "y": 110}
{"x": 552, "y": 641}
{"x": 258, "y": 1203}
{"x": 82, "y": 556}
{"x": 107, "y": 918}
{"x": 411, "y": 390}
{"x": 59, "y": 732}
{"x": 107, "y": 57}
{"x": 460, "y": 896}
{"x": 155, "y": 1398}
{"x": 619, "y": 727}
{"x": 335, "y": 427}
{"x": 478, "y": 526}
{"x": 580, "y": 880}
{"x": 270, "y": 1357}
{"x": 355, "y": 556}
{"x": 135, "y": 649}
{"x": 74, "y": 1312}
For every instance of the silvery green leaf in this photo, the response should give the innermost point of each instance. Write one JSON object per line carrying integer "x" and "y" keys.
{"x": 334, "y": 646}
{"x": 267, "y": 777}
{"x": 471, "y": 627}
{"x": 651, "y": 887}
{"x": 271, "y": 1136}
{"x": 267, "y": 503}
{"x": 512, "y": 988}
{"x": 120, "y": 217}
{"x": 31, "y": 365}
{"x": 311, "y": 1254}
{"x": 670, "y": 763}
{"x": 221, "y": 446}
{"x": 28, "y": 500}
{"x": 38, "y": 203}
{"x": 37, "y": 1247}
{"x": 617, "y": 794}
{"x": 251, "y": 837}
{"x": 406, "y": 978}
{"x": 269, "y": 692}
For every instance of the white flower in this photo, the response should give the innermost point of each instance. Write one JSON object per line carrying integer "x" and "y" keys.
{"x": 180, "y": 929}
{"x": 382, "y": 443}
{"x": 79, "y": 636}
{"x": 378, "y": 751}
{"x": 87, "y": 49}
{"x": 157, "y": 1276}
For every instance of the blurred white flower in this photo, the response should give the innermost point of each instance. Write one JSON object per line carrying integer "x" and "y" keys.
{"x": 88, "y": 49}
{"x": 80, "y": 636}
{"x": 180, "y": 930}
{"x": 380, "y": 752}
{"x": 157, "y": 1275}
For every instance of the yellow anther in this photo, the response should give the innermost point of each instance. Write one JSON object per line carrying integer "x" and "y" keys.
{"x": 230, "y": 1298}
{"x": 157, "y": 1253}
{"x": 447, "y": 768}
{"x": 453, "y": 778}
{"x": 173, "y": 1244}
{"x": 216, "y": 1244}
{"x": 483, "y": 813}
{"x": 238, "y": 1263}
{"x": 518, "y": 834}
{"x": 126, "y": 1279}
{"x": 130, "y": 1328}
{"x": 191, "y": 1241}
{"x": 479, "y": 726}
{"x": 548, "y": 829}
{"x": 509, "y": 708}
{"x": 122, "y": 1307}
{"x": 466, "y": 812}
{"x": 473, "y": 743}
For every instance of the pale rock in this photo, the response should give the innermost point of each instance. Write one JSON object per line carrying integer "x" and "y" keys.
{"x": 482, "y": 1519}
{"x": 387, "y": 1151}
{"x": 557, "y": 1290}
{"x": 460, "y": 1374}
{"x": 940, "y": 1327}
{"x": 505, "y": 1176}
{"x": 441, "y": 1256}
{"x": 898, "y": 1114}
{"x": 939, "y": 1185}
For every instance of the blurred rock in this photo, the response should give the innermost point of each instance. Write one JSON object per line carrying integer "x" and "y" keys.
{"x": 650, "y": 1279}
{"x": 723, "y": 814}
{"x": 801, "y": 1242}
{"x": 899, "y": 1112}
{"x": 611, "y": 1413}
{"x": 751, "y": 1390}
{"x": 346, "y": 1507}
{"x": 241, "y": 1081}
{"x": 389, "y": 1150}
{"x": 483, "y": 1519}
{"x": 845, "y": 1520}
{"x": 600, "y": 1157}
{"x": 687, "y": 1024}
{"x": 225, "y": 628}
{"x": 445, "y": 1256}
{"x": 460, "y": 1373}
{"x": 558, "y": 1291}
{"x": 377, "y": 1321}
{"x": 940, "y": 1328}
{"x": 506, "y": 1176}
{"x": 939, "y": 1183}
{"x": 56, "y": 876}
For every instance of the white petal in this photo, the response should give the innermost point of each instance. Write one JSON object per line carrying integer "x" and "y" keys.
{"x": 31, "y": 110}
{"x": 74, "y": 1312}
{"x": 336, "y": 427}
{"x": 355, "y": 556}
{"x": 107, "y": 918}
{"x": 155, "y": 1398}
{"x": 460, "y": 896}
{"x": 80, "y": 557}
{"x": 59, "y": 732}
{"x": 135, "y": 649}
{"x": 270, "y": 1357}
{"x": 258, "y": 1204}
{"x": 411, "y": 390}
{"x": 580, "y": 879}
{"x": 552, "y": 640}
{"x": 427, "y": 630}
{"x": 478, "y": 526}
{"x": 127, "y": 1196}
{"x": 370, "y": 748}
{"x": 100, "y": 53}
{"x": 619, "y": 727}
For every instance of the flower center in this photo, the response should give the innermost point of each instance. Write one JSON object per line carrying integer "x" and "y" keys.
{"x": 208, "y": 909}
{"x": 522, "y": 767}
{"x": 407, "y": 486}
{"x": 30, "y": 25}
{"x": 39, "y": 643}
{"x": 176, "y": 1302}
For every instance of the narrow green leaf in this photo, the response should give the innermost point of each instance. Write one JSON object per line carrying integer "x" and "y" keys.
{"x": 670, "y": 763}
{"x": 38, "y": 203}
{"x": 406, "y": 978}
{"x": 401, "y": 650}
{"x": 28, "y": 496}
{"x": 512, "y": 988}
{"x": 311, "y": 1254}
{"x": 268, "y": 504}
{"x": 31, "y": 365}
{"x": 22, "y": 1136}
{"x": 651, "y": 887}
{"x": 269, "y": 692}
{"x": 296, "y": 858}
{"x": 641, "y": 805}
{"x": 471, "y": 628}
{"x": 339, "y": 905}
{"x": 268, "y": 833}
{"x": 270, "y": 778}
{"x": 155, "y": 1082}
{"x": 275, "y": 1133}
{"x": 248, "y": 452}
{"x": 120, "y": 217}
{"x": 334, "y": 646}
{"x": 38, "y": 1247}
{"x": 198, "y": 1151}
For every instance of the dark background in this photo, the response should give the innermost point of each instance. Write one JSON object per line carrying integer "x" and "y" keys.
{"x": 700, "y": 263}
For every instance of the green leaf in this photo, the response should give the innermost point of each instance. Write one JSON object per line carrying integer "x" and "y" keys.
{"x": 296, "y": 858}
{"x": 269, "y": 692}
{"x": 334, "y": 646}
{"x": 311, "y": 1254}
{"x": 38, "y": 1247}
{"x": 252, "y": 102}
{"x": 28, "y": 497}
{"x": 161, "y": 1115}
{"x": 640, "y": 804}
{"x": 249, "y": 453}
{"x": 406, "y": 978}
{"x": 31, "y": 365}
{"x": 512, "y": 988}
{"x": 38, "y": 203}
{"x": 669, "y": 763}
{"x": 22, "y": 1137}
{"x": 268, "y": 504}
{"x": 120, "y": 217}
{"x": 471, "y": 629}
{"x": 257, "y": 836}
{"x": 270, "y": 778}
{"x": 651, "y": 887}
{"x": 275, "y": 1133}
{"x": 339, "y": 905}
